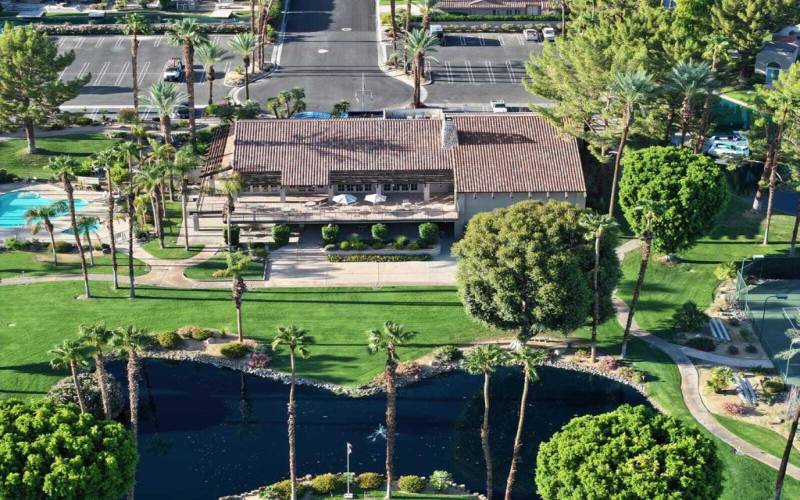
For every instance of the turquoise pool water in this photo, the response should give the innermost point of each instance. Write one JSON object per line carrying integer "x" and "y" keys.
{"x": 94, "y": 229}
{"x": 14, "y": 205}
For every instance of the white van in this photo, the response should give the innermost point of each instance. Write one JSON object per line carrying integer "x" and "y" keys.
{"x": 532, "y": 35}
{"x": 549, "y": 34}
{"x": 437, "y": 30}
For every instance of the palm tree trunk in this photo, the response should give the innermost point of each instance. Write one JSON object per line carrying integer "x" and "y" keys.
{"x": 793, "y": 244}
{"x": 291, "y": 428}
{"x": 246, "y": 82}
{"x": 646, "y": 248}
{"x": 239, "y": 321}
{"x": 78, "y": 391}
{"x": 764, "y": 176}
{"x": 135, "y": 72}
{"x": 596, "y": 297}
{"x": 210, "y": 77}
{"x": 112, "y": 237}
{"x": 685, "y": 114}
{"x": 133, "y": 399}
{"x": 157, "y": 218}
{"x": 393, "y": 15}
{"x": 417, "y": 80}
{"x": 512, "y": 471}
{"x": 618, "y": 161}
{"x": 50, "y": 231}
{"x": 166, "y": 128}
{"x": 91, "y": 249}
{"x": 391, "y": 401}
{"x": 188, "y": 56}
{"x": 185, "y": 214}
{"x": 101, "y": 383}
{"x": 785, "y": 458}
{"x": 74, "y": 225}
{"x": 704, "y": 121}
{"x": 670, "y": 123}
{"x": 487, "y": 456}
{"x": 407, "y": 27}
{"x": 131, "y": 217}
{"x": 773, "y": 174}
{"x": 229, "y": 211}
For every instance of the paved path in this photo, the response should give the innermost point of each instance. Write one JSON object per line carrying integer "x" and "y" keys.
{"x": 690, "y": 385}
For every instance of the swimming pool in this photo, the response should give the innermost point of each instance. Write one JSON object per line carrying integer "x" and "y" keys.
{"x": 14, "y": 205}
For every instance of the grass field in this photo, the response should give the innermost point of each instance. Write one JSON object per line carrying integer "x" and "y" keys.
{"x": 668, "y": 286}
{"x": 205, "y": 270}
{"x": 15, "y": 159}
{"x": 769, "y": 441}
{"x": 173, "y": 249}
{"x": 17, "y": 264}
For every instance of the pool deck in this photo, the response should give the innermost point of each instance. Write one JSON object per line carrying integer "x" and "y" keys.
{"x": 96, "y": 207}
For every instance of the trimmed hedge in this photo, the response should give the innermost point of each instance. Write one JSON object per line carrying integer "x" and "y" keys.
{"x": 234, "y": 350}
{"x": 168, "y": 339}
{"x": 411, "y": 484}
{"x": 378, "y": 258}
{"x": 368, "y": 481}
{"x": 454, "y": 16}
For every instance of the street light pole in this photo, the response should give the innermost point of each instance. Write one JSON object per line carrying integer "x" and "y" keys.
{"x": 764, "y": 308}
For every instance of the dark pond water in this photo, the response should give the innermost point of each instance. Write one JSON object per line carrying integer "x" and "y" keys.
{"x": 207, "y": 432}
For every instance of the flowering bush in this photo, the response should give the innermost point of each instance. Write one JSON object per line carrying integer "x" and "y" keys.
{"x": 440, "y": 480}
{"x": 369, "y": 481}
{"x": 409, "y": 369}
{"x": 259, "y": 358}
{"x": 608, "y": 363}
{"x": 735, "y": 407}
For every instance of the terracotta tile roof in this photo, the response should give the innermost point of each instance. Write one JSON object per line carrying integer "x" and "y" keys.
{"x": 216, "y": 152}
{"x": 514, "y": 152}
{"x": 489, "y": 4}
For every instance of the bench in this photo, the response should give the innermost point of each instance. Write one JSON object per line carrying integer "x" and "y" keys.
{"x": 745, "y": 390}
{"x": 718, "y": 330}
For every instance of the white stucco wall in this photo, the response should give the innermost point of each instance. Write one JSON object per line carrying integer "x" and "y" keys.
{"x": 470, "y": 204}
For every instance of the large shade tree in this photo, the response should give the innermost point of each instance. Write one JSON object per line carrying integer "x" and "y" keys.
{"x": 30, "y": 88}
{"x": 528, "y": 268}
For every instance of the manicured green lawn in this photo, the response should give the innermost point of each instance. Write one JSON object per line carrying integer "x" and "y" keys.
{"x": 205, "y": 270}
{"x": 15, "y": 264}
{"x": 15, "y": 159}
{"x": 173, "y": 249}
{"x": 376, "y": 495}
{"x": 668, "y": 286}
{"x": 769, "y": 441}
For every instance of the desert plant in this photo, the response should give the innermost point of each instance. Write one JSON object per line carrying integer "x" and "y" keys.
{"x": 168, "y": 339}
{"x": 725, "y": 270}
{"x": 773, "y": 385}
{"x": 411, "y": 484}
{"x": 745, "y": 333}
{"x": 368, "y": 481}
{"x": 447, "y": 354}
{"x": 325, "y": 484}
{"x": 234, "y": 350}
{"x": 720, "y": 378}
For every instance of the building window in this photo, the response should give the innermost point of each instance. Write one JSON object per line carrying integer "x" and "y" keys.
{"x": 354, "y": 188}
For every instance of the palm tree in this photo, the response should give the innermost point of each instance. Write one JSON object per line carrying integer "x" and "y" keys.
{"x": 419, "y": 43}
{"x": 87, "y": 224}
{"x": 387, "y": 340}
{"x": 65, "y": 169}
{"x": 297, "y": 340}
{"x": 716, "y": 52}
{"x": 134, "y": 25}
{"x": 426, "y": 8}
{"x": 527, "y": 359}
{"x": 149, "y": 178}
{"x": 632, "y": 90}
{"x": 690, "y": 80}
{"x": 97, "y": 336}
{"x": 129, "y": 341}
{"x": 188, "y": 33}
{"x": 483, "y": 360}
{"x": 243, "y": 44}
{"x": 793, "y": 416}
{"x": 139, "y": 132}
{"x": 237, "y": 263}
{"x": 185, "y": 161}
{"x": 165, "y": 97}
{"x": 650, "y": 211}
{"x": 162, "y": 156}
{"x": 232, "y": 186}
{"x": 596, "y": 225}
{"x": 71, "y": 354}
{"x": 106, "y": 160}
{"x": 37, "y": 217}
{"x": 128, "y": 153}
{"x": 210, "y": 54}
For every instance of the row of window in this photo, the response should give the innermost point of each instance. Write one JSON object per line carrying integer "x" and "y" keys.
{"x": 362, "y": 188}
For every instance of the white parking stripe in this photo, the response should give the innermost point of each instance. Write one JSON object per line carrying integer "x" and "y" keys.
{"x": 99, "y": 42}
{"x": 490, "y": 72}
{"x": 468, "y": 67}
{"x": 500, "y": 39}
{"x": 462, "y": 39}
{"x": 449, "y": 71}
{"x": 520, "y": 39}
{"x": 61, "y": 76}
{"x": 118, "y": 42}
{"x": 143, "y": 71}
{"x": 227, "y": 67}
{"x": 61, "y": 41}
{"x": 79, "y": 43}
{"x": 482, "y": 41}
{"x": 83, "y": 70}
{"x": 510, "y": 72}
{"x": 102, "y": 73}
{"x": 122, "y": 73}
{"x": 158, "y": 41}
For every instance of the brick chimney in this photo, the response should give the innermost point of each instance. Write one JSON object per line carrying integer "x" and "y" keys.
{"x": 449, "y": 133}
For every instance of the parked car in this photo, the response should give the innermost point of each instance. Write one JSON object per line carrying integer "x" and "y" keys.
{"x": 727, "y": 145}
{"x": 182, "y": 111}
{"x": 549, "y": 34}
{"x": 173, "y": 71}
{"x": 498, "y": 106}
{"x": 437, "y": 30}
{"x": 532, "y": 35}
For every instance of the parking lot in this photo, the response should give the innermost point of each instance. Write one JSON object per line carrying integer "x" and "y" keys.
{"x": 472, "y": 68}
{"x": 107, "y": 59}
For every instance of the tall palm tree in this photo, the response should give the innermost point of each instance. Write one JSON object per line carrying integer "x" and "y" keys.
{"x": 165, "y": 97}
{"x": 393, "y": 16}
{"x": 149, "y": 178}
{"x": 129, "y": 341}
{"x": 38, "y": 217}
{"x": 426, "y": 9}
{"x": 690, "y": 80}
{"x": 650, "y": 211}
{"x": 484, "y": 360}
{"x": 188, "y": 34}
{"x": 387, "y": 340}
{"x": 97, "y": 336}
{"x": 528, "y": 359}
{"x": 128, "y": 153}
{"x": 243, "y": 44}
{"x": 597, "y": 225}
{"x": 210, "y": 54}
{"x": 135, "y": 24}
{"x": 418, "y": 43}
{"x": 71, "y": 354}
{"x": 106, "y": 160}
{"x": 716, "y": 52}
{"x": 237, "y": 263}
{"x": 793, "y": 416}
{"x": 231, "y": 187}
{"x": 632, "y": 90}
{"x": 185, "y": 161}
{"x": 86, "y": 224}
{"x": 297, "y": 340}
{"x": 65, "y": 169}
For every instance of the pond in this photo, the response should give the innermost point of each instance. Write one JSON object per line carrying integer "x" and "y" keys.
{"x": 207, "y": 432}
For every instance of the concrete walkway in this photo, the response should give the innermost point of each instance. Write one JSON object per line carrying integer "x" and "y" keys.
{"x": 690, "y": 385}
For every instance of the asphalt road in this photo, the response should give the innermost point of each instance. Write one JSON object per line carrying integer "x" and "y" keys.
{"x": 330, "y": 49}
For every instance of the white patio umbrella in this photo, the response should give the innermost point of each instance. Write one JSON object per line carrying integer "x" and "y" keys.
{"x": 375, "y": 198}
{"x": 345, "y": 199}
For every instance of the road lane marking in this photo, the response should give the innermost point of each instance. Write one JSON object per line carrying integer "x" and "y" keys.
{"x": 60, "y": 43}
{"x": 510, "y": 72}
{"x": 83, "y": 70}
{"x": 490, "y": 71}
{"x": 99, "y": 42}
{"x": 520, "y": 39}
{"x": 449, "y": 71}
{"x": 158, "y": 41}
{"x": 102, "y": 73}
{"x": 143, "y": 72}
{"x": 121, "y": 74}
{"x": 468, "y": 67}
{"x": 500, "y": 39}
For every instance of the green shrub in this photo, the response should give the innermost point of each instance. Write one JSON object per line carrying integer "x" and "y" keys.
{"x": 282, "y": 490}
{"x": 168, "y": 339}
{"x": 330, "y": 234}
{"x": 428, "y": 233}
{"x": 281, "y": 234}
{"x": 411, "y": 484}
{"x": 415, "y": 245}
{"x": 447, "y": 354}
{"x": 750, "y": 349}
{"x": 15, "y": 244}
{"x": 380, "y": 232}
{"x": 195, "y": 332}
{"x": 234, "y": 350}
{"x": 720, "y": 378}
{"x": 726, "y": 271}
{"x": 400, "y": 242}
{"x": 440, "y": 480}
{"x": 63, "y": 392}
{"x": 127, "y": 115}
{"x": 378, "y": 245}
{"x": 345, "y": 245}
{"x": 773, "y": 385}
{"x": 689, "y": 318}
{"x": 235, "y": 230}
{"x": 369, "y": 481}
{"x": 702, "y": 343}
{"x": 745, "y": 333}
{"x": 358, "y": 245}
{"x": 732, "y": 350}
{"x": 62, "y": 247}
{"x": 5, "y": 176}
{"x": 325, "y": 484}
